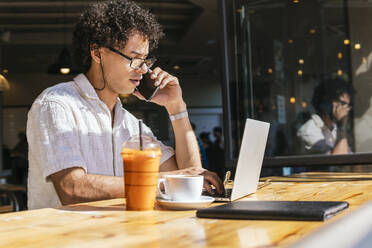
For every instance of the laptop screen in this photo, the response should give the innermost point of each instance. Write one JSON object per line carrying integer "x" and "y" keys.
{"x": 250, "y": 159}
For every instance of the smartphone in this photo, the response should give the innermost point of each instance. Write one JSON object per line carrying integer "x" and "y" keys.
{"x": 147, "y": 87}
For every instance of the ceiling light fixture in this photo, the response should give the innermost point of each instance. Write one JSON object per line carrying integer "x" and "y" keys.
{"x": 301, "y": 61}
{"x": 339, "y": 55}
{"x": 357, "y": 46}
{"x": 64, "y": 70}
{"x": 346, "y": 41}
{"x": 4, "y": 84}
{"x": 64, "y": 62}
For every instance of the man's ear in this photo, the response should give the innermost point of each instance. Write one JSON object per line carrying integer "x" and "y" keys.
{"x": 95, "y": 53}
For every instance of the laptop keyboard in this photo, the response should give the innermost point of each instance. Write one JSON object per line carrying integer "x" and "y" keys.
{"x": 227, "y": 193}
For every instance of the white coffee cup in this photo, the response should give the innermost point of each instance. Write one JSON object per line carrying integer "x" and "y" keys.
{"x": 182, "y": 188}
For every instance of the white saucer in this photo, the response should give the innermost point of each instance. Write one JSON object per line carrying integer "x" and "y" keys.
{"x": 203, "y": 202}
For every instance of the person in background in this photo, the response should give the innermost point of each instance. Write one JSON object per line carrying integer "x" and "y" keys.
{"x": 214, "y": 153}
{"x": 203, "y": 153}
{"x": 6, "y": 158}
{"x": 19, "y": 167}
{"x": 204, "y": 137}
{"x": 19, "y": 160}
{"x": 326, "y": 131}
{"x": 21, "y": 148}
{"x": 218, "y": 142}
{"x": 219, "y": 152}
{"x": 208, "y": 146}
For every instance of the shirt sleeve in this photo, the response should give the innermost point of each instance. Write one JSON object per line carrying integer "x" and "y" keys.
{"x": 313, "y": 138}
{"x": 53, "y": 139}
{"x": 320, "y": 147}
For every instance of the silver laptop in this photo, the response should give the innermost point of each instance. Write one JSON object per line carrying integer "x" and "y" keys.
{"x": 250, "y": 160}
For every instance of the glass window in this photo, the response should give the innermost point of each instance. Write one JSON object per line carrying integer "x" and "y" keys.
{"x": 303, "y": 66}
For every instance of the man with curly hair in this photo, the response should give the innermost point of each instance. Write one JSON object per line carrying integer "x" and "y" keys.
{"x": 76, "y": 129}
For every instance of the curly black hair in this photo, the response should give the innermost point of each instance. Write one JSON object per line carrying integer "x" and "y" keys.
{"x": 110, "y": 24}
{"x": 328, "y": 91}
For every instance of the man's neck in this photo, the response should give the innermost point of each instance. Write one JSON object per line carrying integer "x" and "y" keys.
{"x": 106, "y": 95}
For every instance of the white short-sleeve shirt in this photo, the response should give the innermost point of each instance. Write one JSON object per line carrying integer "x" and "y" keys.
{"x": 69, "y": 126}
{"x": 315, "y": 133}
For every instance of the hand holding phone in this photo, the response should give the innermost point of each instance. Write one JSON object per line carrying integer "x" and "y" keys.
{"x": 147, "y": 87}
{"x": 161, "y": 88}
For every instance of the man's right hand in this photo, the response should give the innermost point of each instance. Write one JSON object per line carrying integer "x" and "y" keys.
{"x": 340, "y": 111}
{"x": 211, "y": 178}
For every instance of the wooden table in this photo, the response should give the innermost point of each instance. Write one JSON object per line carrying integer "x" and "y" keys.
{"x": 107, "y": 224}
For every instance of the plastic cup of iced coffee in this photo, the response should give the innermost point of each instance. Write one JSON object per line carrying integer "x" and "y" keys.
{"x": 141, "y": 161}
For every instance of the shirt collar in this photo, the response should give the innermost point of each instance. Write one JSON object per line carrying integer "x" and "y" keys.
{"x": 320, "y": 123}
{"x": 85, "y": 87}
{"x": 87, "y": 90}
{"x": 318, "y": 120}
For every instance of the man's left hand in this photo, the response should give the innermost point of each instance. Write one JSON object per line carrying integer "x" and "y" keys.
{"x": 169, "y": 93}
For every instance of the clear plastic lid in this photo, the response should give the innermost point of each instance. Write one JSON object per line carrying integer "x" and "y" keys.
{"x": 148, "y": 143}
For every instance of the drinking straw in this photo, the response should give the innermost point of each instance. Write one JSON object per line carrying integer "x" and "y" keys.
{"x": 140, "y": 134}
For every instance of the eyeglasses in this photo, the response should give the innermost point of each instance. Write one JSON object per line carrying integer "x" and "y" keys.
{"x": 343, "y": 103}
{"x": 135, "y": 63}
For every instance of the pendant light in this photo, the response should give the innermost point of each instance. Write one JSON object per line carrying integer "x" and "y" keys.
{"x": 64, "y": 62}
{"x": 4, "y": 84}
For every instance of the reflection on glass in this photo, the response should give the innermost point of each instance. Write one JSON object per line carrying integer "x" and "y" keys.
{"x": 326, "y": 130}
{"x": 305, "y": 45}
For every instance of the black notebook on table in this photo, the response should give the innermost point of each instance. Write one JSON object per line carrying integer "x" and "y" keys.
{"x": 275, "y": 210}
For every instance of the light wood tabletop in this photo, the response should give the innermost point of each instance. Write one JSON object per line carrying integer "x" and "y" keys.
{"x": 108, "y": 224}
